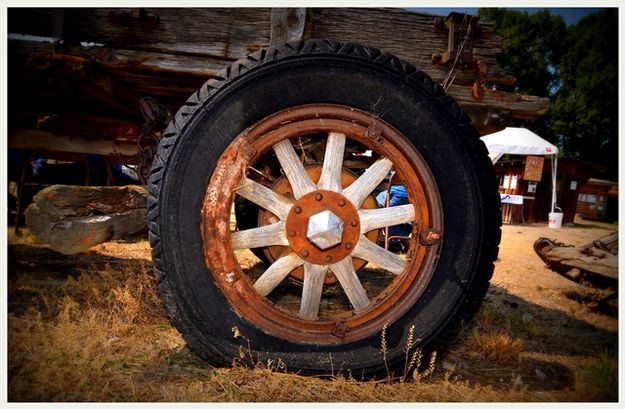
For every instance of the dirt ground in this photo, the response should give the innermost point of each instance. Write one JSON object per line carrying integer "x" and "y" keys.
{"x": 91, "y": 327}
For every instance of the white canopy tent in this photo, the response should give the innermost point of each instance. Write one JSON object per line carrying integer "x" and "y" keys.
{"x": 521, "y": 141}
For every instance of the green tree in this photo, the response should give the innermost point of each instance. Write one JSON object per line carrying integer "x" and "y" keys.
{"x": 576, "y": 67}
{"x": 531, "y": 48}
{"x": 585, "y": 111}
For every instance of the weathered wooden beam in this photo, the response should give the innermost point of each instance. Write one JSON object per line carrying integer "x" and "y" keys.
{"x": 594, "y": 260}
{"x": 45, "y": 141}
{"x": 408, "y": 35}
{"x": 89, "y": 79}
{"x": 607, "y": 243}
{"x": 497, "y": 103}
{"x": 76, "y": 123}
{"x": 233, "y": 33}
{"x": 220, "y": 32}
{"x": 72, "y": 219}
{"x": 137, "y": 52}
{"x": 124, "y": 60}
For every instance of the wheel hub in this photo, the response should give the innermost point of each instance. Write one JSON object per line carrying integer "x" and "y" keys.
{"x": 283, "y": 187}
{"x": 323, "y": 227}
{"x": 325, "y": 230}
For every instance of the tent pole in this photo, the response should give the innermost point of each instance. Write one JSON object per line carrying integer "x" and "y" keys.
{"x": 554, "y": 170}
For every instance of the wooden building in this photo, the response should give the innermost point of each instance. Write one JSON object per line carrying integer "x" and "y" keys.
{"x": 517, "y": 177}
{"x": 598, "y": 200}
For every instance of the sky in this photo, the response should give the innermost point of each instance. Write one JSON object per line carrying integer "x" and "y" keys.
{"x": 571, "y": 15}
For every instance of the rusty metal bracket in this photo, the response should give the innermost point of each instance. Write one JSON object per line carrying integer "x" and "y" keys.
{"x": 457, "y": 25}
{"x": 462, "y": 30}
{"x": 340, "y": 329}
{"x": 429, "y": 237}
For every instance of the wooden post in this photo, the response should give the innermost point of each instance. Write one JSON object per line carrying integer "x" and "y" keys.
{"x": 287, "y": 25}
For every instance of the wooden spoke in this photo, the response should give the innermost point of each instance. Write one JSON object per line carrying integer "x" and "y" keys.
{"x": 387, "y": 216}
{"x": 264, "y": 197}
{"x": 270, "y": 235}
{"x": 277, "y": 272}
{"x": 293, "y": 169}
{"x": 330, "y": 178}
{"x": 311, "y": 293}
{"x": 364, "y": 185}
{"x": 367, "y": 250}
{"x": 344, "y": 271}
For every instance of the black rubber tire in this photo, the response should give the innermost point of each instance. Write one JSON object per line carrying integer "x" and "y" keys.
{"x": 321, "y": 71}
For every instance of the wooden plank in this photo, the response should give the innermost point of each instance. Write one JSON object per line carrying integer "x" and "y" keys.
{"x": 149, "y": 62}
{"x": 608, "y": 243}
{"x": 596, "y": 261}
{"x": 144, "y": 55}
{"x": 80, "y": 124}
{"x": 44, "y": 141}
{"x": 520, "y": 106}
{"x": 233, "y": 33}
{"x": 224, "y": 32}
{"x": 405, "y": 34}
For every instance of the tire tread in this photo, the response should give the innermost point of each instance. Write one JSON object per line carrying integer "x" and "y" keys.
{"x": 475, "y": 290}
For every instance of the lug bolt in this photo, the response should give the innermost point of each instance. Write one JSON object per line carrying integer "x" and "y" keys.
{"x": 354, "y": 223}
{"x": 292, "y": 233}
{"x": 348, "y": 246}
{"x": 305, "y": 253}
{"x": 328, "y": 258}
{"x": 318, "y": 196}
{"x": 297, "y": 209}
{"x": 342, "y": 202}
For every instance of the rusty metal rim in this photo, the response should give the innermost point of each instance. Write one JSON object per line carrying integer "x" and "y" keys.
{"x": 373, "y": 132}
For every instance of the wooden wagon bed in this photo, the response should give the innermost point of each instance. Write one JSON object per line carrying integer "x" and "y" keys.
{"x": 106, "y": 81}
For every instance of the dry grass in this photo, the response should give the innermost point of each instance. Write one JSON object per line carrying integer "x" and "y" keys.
{"x": 98, "y": 331}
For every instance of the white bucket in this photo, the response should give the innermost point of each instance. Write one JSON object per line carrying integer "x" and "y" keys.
{"x": 555, "y": 220}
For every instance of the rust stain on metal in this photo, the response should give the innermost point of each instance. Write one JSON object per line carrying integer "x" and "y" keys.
{"x": 429, "y": 237}
{"x": 340, "y": 329}
{"x": 216, "y": 213}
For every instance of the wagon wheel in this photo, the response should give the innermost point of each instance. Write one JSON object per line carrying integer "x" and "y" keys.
{"x": 321, "y": 226}
{"x": 308, "y": 132}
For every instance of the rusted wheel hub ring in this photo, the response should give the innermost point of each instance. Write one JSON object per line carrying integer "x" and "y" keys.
{"x": 299, "y": 220}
